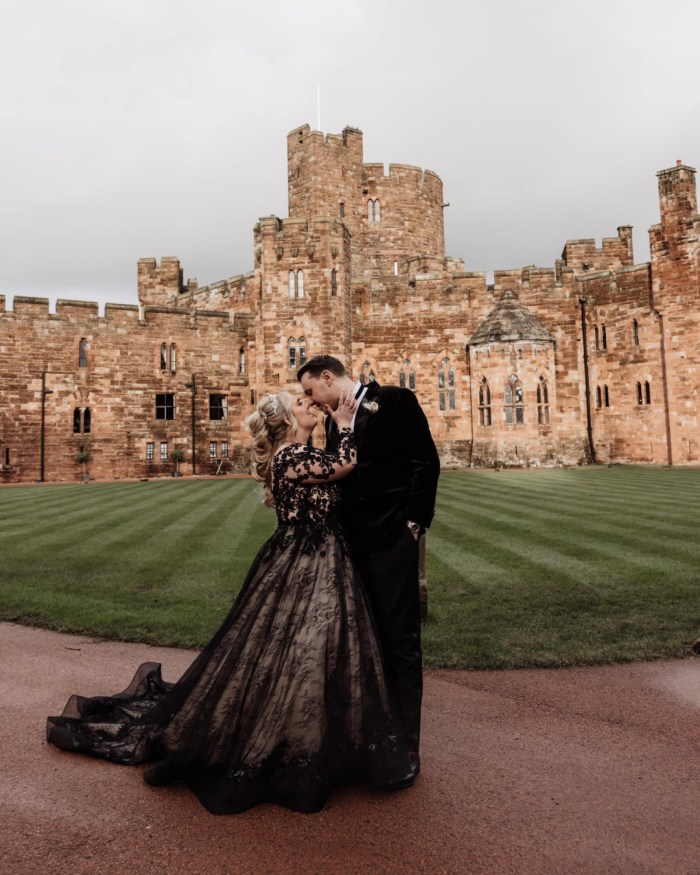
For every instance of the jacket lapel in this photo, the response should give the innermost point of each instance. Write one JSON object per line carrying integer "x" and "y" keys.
{"x": 363, "y": 415}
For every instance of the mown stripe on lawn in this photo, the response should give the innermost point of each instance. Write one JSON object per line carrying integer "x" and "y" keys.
{"x": 655, "y": 535}
{"x": 75, "y": 530}
{"x": 544, "y": 549}
{"x": 573, "y": 506}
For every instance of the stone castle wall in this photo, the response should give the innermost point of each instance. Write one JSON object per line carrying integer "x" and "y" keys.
{"x": 371, "y": 284}
{"x": 118, "y": 385}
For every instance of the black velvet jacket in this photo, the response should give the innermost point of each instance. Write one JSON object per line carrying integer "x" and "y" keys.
{"x": 397, "y": 466}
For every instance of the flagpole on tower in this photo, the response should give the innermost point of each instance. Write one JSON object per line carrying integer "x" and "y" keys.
{"x": 318, "y": 97}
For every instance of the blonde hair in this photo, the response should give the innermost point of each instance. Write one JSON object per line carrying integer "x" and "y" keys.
{"x": 268, "y": 426}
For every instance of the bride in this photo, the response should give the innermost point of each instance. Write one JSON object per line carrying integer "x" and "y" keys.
{"x": 289, "y": 697}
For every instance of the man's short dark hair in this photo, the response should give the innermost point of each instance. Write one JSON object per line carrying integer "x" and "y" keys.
{"x": 320, "y": 363}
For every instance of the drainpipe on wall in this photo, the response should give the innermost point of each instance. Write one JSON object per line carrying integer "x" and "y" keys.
{"x": 44, "y": 393}
{"x": 582, "y": 302}
{"x": 193, "y": 387}
{"x": 471, "y": 406}
{"x": 664, "y": 378}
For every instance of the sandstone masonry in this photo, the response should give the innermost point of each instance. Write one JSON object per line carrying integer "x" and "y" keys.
{"x": 595, "y": 359}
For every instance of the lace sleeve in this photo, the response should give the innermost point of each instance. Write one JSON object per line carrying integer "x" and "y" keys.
{"x": 312, "y": 466}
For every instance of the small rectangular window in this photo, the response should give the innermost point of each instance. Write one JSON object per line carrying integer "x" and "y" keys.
{"x": 342, "y": 210}
{"x": 252, "y": 397}
{"x": 218, "y": 407}
{"x": 396, "y": 268}
{"x": 442, "y": 400}
{"x": 453, "y": 404}
{"x": 212, "y": 449}
{"x": 519, "y": 416}
{"x": 7, "y": 455}
{"x": 149, "y": 452}
{"x": 165, "y": 405}
{"x": 87, "y": 421}
{"x": 164, "y": 451}
{"x": 224, "y": 449}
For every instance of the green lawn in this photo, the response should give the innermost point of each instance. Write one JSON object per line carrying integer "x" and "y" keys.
{"x": 539, "y": 568}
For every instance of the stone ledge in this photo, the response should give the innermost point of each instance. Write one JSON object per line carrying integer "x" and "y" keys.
{"x": 632, "y": 268}
{"x": 88, "y": 305}
{"x": 675, "y": 169}
{"x": 596, "y": 275}
{"x": 153, "y": 308}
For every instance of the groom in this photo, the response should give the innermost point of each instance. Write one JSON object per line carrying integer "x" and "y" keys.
{"x": 388, "y": 503}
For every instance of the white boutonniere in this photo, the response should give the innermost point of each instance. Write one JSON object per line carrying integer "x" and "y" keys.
{"x": 370, "y": 406}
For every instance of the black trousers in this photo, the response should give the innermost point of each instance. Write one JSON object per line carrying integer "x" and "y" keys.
{"x": 390, "y": 575}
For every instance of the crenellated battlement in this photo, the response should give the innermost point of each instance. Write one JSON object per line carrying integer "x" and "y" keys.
{"x": 583, "y": 255}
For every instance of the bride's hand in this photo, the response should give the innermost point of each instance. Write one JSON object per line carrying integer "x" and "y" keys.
{"x": 344, "y": 412}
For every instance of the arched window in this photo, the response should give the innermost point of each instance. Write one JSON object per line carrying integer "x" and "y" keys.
{"x": 76, "y": 420}
{"x": 406, "y": 369}
{"x": 635, "y": 332}
{"x": 334, "y": 282}
{"x": 377, "y": 211}
{"x": 292, "y": 283}
{"x": 300, "y": 284}
{"x": 82, "y": 353}
{"x": 484, "y": 403}
{"x": 451, "y": 399}
{"x": 604, "y": 336}
{"x": 647, "y": 393}
{"x": 598, "y": 397}
{"x": 514, "y": 399}
{"x": 241, "y": 361}
{"x": 606, "y": 396}
{"x": 370, "y": 211}
{"x": 543, "y": 402}
{"x": 302, "y": 352}
{"x": 292, "y": 344}
{"x": 366, "y": 374}
{"x": 87, "y": 421}
{"x": 596, "y": 334}
{"x": 640, "y": 400}
{"x": 441, "y": 388}
{"x": 173, "y": 357}
{"x": 164, "y": 356}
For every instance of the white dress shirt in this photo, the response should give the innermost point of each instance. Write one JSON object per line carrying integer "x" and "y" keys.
{"x": 359, "y": 401}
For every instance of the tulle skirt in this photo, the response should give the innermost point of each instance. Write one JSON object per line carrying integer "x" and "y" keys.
{"x": 287, "y": 700}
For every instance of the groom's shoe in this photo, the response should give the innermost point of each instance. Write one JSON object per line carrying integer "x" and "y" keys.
{"x": 409, "y": 779}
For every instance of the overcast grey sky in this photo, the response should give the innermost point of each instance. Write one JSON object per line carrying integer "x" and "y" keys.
{"x": 147, "y": 128}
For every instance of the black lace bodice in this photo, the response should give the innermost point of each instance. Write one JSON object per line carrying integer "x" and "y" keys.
{"x": 298, "y": 472}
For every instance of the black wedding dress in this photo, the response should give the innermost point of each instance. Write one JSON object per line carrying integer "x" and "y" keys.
{"x": 289, "y": 697}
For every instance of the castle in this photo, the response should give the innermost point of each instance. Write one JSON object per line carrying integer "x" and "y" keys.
{"x": 594, "y": 360}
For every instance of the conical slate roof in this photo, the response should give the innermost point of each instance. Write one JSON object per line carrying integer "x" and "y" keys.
{"x": 508, "y": 321}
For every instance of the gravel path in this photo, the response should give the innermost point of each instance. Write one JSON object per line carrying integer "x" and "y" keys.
{"x": 588, "y": 770}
